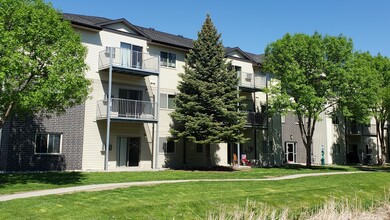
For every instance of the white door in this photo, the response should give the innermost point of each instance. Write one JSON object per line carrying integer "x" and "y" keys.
{"x": 291, "y": 152}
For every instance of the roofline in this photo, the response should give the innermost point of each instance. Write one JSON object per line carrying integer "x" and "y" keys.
{"x": 89, "y": 26}
{"x": 125, "y": 33}
{"x": 127, "y": 23}
{"x": 186, "y": 49}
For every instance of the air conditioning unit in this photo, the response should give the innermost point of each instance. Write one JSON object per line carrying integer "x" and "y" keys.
{"x": 108, "y": 52}
{"x": 249, "y": 76}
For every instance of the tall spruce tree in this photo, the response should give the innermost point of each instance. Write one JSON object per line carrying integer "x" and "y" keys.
{"x": 206, "y": 107}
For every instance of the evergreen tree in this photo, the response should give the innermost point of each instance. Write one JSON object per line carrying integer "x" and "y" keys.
{"x": 206, "y": 107}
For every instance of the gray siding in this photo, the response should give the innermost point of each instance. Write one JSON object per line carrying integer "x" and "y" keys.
{"x": 19, "y": 152}
{"x": 291, "y": 133}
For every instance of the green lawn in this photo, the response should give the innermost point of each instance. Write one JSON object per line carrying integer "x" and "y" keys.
{"x": 19, "y": 182}
{"x": 195, "y": 200}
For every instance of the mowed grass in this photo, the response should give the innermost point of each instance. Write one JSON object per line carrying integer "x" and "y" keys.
{"x": 198, "y": 200}
{"x": 20, "y": 182}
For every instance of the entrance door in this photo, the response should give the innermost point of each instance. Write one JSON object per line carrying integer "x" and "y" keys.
{"x": 290, "y": 152}
{"x": 128, "y": 153}
{"x": 131, "y": 55}
{"x": 353, "y": 154}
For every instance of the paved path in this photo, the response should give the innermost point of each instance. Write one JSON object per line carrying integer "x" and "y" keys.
{"x": 108, "y": 186}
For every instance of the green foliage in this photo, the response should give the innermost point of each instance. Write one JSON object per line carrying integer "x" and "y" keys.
{"x": 41, "y": 60}
{"x": 311, "y": 73}
{"x": 197, "y": 200}
{"x": 206, "y": 107}
{"x": 369, "y": 85}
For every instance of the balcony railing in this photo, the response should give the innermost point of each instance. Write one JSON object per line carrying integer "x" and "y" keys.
{"x": 252, "y": 81}
{"x": 128, "y": 109}
{"x": 126, "y": 59}
{"x": 256, "y": 119}
{"x": 359, "y": 129}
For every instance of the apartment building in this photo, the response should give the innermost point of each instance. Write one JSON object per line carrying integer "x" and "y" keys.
{"x": 137, "y": 69}
{"x": 336, "y": 141}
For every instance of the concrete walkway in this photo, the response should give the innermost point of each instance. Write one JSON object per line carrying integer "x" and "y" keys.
{"x": 108, "y": 186}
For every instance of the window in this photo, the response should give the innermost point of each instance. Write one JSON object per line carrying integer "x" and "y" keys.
{"x": 199, "y": 148}
{"x": 168, "y": 59}
{"x": 48, "y": 143}
{"x": 167, "y": 101}
{"x": 336, "y": 149}
{"x": 170, "y": 147}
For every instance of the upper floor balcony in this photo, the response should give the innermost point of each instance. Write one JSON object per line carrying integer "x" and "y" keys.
{"x": 361, "y": 129}
{"x": 130, "y": 62}
{"x": 128, "y": 110}
{"x": 256, "y": 119}
{"x": 251, "y": 82}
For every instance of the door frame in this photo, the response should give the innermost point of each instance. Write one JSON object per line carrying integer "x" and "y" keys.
{"x": 294, "y": 152}
{"x": 127, "y": 150}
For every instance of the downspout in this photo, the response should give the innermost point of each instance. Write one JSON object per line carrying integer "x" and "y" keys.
{"x": 107, "y": 147}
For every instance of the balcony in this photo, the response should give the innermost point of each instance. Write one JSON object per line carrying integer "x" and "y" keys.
{"x": 128, "y": 110}
{"x": 256, "y": 119}
{"x": 130, "y": 62}
{"x": 360, "y": 129}
{"x": 251, "y": 82}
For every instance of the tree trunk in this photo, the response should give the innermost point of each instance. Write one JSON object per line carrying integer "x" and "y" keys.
{"x": 308, "y": 152}
{"x": 382, "y": 143}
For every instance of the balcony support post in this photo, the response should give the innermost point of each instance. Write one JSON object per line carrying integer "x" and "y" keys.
{"x": 157, "y": 112}
{"x": 109, "y": 101}
{"x": 238, "y": 110}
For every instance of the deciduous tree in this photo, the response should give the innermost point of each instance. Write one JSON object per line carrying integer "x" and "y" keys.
{"x": 368, "y": 94}
{"x": 41, "y": 60}
{"x": 310, "y": 70}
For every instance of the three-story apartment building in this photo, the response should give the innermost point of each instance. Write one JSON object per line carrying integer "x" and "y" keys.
{"x": 135, "y": 70}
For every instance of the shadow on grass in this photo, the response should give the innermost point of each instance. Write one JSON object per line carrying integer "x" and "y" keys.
{"x": 54, "y": 178}
{"x": 200, "y": 168}
{"x": 303, "y": 167}
{"x": 374, "y": 168}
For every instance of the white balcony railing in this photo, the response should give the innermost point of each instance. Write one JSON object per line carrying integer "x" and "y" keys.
{"x": 129, "y": 59}
{"x": 127, "y": 109}
{"x": 252, "y": 80}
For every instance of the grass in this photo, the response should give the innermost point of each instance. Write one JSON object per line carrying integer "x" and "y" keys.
{"x": 343, "y": 209}
{"x": 19, "y": 182}
{"x": 199, "y": 200}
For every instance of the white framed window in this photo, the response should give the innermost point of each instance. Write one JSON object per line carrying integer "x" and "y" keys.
{"x": 168, "y": 59}
{"x": 48, "y": 143}
{"x": 167, "y": 101}
{"x": 170, "y": 148}
{"x": 166, "y": 146}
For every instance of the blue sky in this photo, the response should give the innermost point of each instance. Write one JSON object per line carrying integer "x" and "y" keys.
{"x": 252, "y": 24}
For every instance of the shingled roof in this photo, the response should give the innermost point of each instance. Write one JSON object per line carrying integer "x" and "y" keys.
{"x": 150, "y": 33}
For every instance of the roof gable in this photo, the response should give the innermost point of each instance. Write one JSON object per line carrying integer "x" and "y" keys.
{"x": 122, "y": 25}
{"x": 236, "y": 52}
